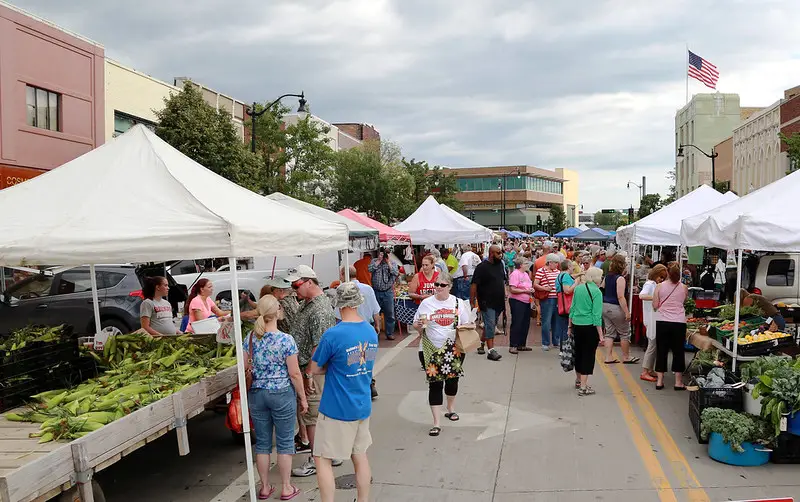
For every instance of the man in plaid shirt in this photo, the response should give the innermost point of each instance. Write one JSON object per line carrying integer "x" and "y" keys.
{"x": 384, "y": 275}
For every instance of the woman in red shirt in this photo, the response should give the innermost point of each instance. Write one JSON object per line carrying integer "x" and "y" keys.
{"x": 422, "y": 285}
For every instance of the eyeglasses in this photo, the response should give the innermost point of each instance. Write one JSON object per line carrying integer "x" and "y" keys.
{"x": 296, "y": 284}
{"x": 441, "y": 284}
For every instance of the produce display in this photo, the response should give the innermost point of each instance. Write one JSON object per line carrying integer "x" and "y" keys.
{"x": 735, "y": 428}
{"x": 714, "y": 380}
{"x": 25, "y": 337}
{"x": 754, "y": 369}
{"x": 728, "y": 312}
{"x": 779, "y": 390}
{"x": 762, "y": 337}
{"x": 142, "y": 370}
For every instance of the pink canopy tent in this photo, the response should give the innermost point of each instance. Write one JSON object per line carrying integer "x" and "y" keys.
{"x": 386, "y": 233}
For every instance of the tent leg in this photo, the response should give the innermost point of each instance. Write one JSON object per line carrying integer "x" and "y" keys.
{"x": 632, "y": 259}
{"x": 738, "y": 301}
{"x": 98, "y": 327}
{"x": 312, "y": 261}
{"x": 346, "y": 265}
{"x": 237, "y": 329}
{"x": 274, "y": 262}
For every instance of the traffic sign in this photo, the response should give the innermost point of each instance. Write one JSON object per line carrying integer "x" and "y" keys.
{"x": 608, "y": 211}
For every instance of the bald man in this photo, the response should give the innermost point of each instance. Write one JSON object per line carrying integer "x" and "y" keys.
{"x": 488, "y": 292}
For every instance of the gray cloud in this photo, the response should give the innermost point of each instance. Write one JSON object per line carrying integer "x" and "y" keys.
{"x": 471, "y": 82}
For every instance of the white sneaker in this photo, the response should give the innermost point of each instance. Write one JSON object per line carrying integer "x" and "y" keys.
{"x": 337, "y": 462}
{"x": 309, "y": 468}
{"x": 546, "y": 348}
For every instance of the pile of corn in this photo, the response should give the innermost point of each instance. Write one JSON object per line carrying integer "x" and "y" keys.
{"x": 142, "y": 370}
{"x": 26, "y": 336}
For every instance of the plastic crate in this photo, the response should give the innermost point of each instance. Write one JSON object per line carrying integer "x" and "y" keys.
{"x": 761, "y": 348}
{"x": 786, "y": 449}
{"x": 718, "y": 397}
{"x": 37, "y": 356}
{"x": 694, "y": 417}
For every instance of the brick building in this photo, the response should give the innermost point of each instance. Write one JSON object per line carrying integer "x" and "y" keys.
{"x": 51, "y": 96}
{"x": 790, "y": 118}
{"x": 361, "y": 132}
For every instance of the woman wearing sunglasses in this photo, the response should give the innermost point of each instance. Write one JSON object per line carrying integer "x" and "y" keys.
{"x": 437, "y": 318}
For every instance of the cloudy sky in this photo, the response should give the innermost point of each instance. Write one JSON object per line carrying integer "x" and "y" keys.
{"x": 591, "y": 86}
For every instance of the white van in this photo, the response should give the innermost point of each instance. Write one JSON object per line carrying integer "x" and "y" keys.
{"x": 775, "y": 278}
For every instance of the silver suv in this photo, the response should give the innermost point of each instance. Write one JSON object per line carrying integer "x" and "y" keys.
{"x": 66, "y": 298}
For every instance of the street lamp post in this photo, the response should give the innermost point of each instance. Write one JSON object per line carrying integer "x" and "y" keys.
{"x": 302, "y": 109}
{"x": 713, "y": 155}
{"x": 518, "y": 172}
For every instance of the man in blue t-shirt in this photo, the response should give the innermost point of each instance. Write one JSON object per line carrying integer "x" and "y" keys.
{"x": 346, "y": 355}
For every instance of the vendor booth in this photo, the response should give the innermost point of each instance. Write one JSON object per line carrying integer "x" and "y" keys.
{"x": 569, "y": 232}
{"x": 88, "y": 212}
{"x": 387, "y": 234}
{"x": 592, "y": 235}
{"x": 433, "y": 223}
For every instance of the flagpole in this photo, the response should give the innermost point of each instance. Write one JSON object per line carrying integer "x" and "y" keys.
{"x": 686, "y": 70}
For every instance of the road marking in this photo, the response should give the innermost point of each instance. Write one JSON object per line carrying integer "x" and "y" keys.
{"x": 677, "y": 460}
{"x": 238, "y": 487}
{"x": 499, "y": 420}
{"x": 651, "y": 463}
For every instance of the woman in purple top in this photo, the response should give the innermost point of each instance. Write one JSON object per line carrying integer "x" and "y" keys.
{"x": 670, "y": 326}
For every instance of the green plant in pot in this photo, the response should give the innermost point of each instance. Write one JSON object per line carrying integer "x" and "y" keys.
{"x": 735, "y": 428}
{"x": 779, "y": 390}
{"x": 753, "y": 370}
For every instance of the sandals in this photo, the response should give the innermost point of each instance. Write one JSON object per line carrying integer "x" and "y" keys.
{"x": 434, "y": 431}
{"x": 577, "y": 384}
{"x": 632, "y": 360}
{"x": 513, "y": 350}
{"x": 269, "y": 493}
{"x": 659, "y": 387}
{"x": 586, "y": 391}
{"x": 615, "y": 361}
{"x": 679, "y": 387}
{"x": 296, "y": 491}
{"x": 453, "y": 417}
{"x": 524, "y": 349}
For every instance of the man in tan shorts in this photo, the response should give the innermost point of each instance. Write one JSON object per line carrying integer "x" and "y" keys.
{"x": 345, "y": 355}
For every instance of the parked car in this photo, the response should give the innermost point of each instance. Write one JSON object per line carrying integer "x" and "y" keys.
{"x": 66, "y": 298}
{"x": 775, "y": 278}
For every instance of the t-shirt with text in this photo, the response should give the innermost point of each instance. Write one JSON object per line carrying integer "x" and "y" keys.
{"x": 441, "y": 318}
{"x": 348, "y": 351}
{"x": 160, "y": 314}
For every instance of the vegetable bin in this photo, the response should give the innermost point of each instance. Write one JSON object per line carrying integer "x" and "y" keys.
{"x": 722, "y": 452}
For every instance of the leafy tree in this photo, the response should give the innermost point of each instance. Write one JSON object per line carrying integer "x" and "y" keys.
{"x": 602, "y": 219}
{"x": 649, "y": 204}
{"x": 270, "y": 142}
{"x": 371, "y": 179}
{"x": 432, "y": 180}
{"x": 793, "y": 150}
{"x": 722, "y": 186}
{"x": 557, "y": 220}
{"x": 672, "y": 195}
{"x": 207, "y": 136}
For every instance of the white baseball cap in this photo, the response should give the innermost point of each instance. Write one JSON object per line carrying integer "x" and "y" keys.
{"x": 300, "y": 272}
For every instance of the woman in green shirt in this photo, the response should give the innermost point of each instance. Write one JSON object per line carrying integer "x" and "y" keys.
{"x": 586, "y": 327}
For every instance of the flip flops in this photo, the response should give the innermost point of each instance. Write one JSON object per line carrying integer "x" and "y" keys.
{"x": 632, "y": 360}
{"x": 453, "y": 417}
{"x": 296, "y": 491}
{"x": 268, "y": 495}
{"x": 615, "y": 361}
{"x": 434, "y": 431}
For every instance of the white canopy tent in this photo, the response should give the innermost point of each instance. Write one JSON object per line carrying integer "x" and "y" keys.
{"x": 137, "y": 199}
{"x": 433, "y": 223}
{"x": 719, "y": 227}
{"x": 663, "y": 227}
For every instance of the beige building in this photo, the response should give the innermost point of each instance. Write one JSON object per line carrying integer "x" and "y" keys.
{"x": 132, "y": 97}
{"x": 337, "y": 138}
{"x": 529, "y": 195}
{"x": 236, "y": 108}
{"x": 705, "y": 121}
{"x": 757, "y": 156}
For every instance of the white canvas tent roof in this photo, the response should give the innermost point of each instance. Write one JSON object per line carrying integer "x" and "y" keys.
{"x": 362, "y": 237}
{"x": 466, "y": 221}
{"x": 664, "y": 226}
{"x": 138, "y": 199}
{"x": 431, "y": 223}
{"x": 764, "y": 220}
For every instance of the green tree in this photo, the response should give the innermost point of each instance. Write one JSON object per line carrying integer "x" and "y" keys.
{"x": 432, "y": 180}
{"x": 607, "y": 219}
{"x": 722, "y": 186}
{"x": 649, "y": 204}
{"x": 672, "y": 194}
{"x": 792, "y": 150}
{"x": 207, "y": 136}
{"x": 557, "y": 221}
{"x": 270, "y": 142}
{"x": 371, "y": 179}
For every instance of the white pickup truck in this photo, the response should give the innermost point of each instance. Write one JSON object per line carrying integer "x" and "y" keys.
{"x": 326, "y": 266}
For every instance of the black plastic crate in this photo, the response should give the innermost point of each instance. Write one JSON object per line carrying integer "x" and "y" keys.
{"x": 36, "y": 357}
{"x": 694, "y": 417}
{"x": 786, "y": 449}
{"x": 718, "y": 397}
{"x": 762, "y": 348}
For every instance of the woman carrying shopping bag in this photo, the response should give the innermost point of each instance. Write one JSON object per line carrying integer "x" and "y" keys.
{"x": 586, "y": 328}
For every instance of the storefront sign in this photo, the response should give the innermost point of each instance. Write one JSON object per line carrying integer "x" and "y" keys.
{"x": 10, "y": 176}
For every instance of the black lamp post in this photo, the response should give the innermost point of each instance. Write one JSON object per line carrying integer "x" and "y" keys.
{"x": 518, "y": 172}
{"x": 713, "y": 155}
{"x": 302, "y": 109}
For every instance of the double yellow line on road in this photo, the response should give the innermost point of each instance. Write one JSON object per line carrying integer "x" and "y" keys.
{"x": 679, "y": 465}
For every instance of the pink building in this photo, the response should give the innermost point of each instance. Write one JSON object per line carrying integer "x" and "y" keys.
{"x": 51, "y": 96}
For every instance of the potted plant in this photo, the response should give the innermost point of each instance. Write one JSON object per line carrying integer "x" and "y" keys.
{"x": 779, "y": 390}
{"x": 752, "y": 371}
{"x": 736, "y": 438}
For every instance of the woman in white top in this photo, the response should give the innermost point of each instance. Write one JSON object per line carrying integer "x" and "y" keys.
{"x": 437, "y": 318}
{"x": 656, "y": 277}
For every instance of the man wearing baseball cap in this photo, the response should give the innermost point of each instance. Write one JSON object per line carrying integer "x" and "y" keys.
{"x": 314, "y": 318}
{"x": 346, "y": 356}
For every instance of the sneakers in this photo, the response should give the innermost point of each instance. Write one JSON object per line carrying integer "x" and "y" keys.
{"x": 481, "y": 350}
{"x": 586, "y": 391}
{"x": 494, "y": 355}
{"x": 300, "y": 446}
{"x": 546, "y": 348}
{"x": 374, "y": 391}
{"x": 309, "y": 468}
{"x": 337, "y": 462}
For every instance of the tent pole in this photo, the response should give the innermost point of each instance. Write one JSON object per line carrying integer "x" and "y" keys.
{"x": 347, "y": 265}
{"x": 738, "y": 301}
{"x": 632, "y": 258}
{"x": 95, "y": 300}
{"x": 274, "y": 262}
{"x": 237, "y": 329}
{"x": 2, "y": 279}
{"x": 312, "y": 261}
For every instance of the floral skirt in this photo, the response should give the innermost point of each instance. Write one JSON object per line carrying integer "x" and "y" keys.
{"x": 442, "y": 363}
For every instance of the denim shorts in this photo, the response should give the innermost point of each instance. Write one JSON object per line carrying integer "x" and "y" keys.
{"x": 489, "y": 322}
{"x": 273, "y": 409}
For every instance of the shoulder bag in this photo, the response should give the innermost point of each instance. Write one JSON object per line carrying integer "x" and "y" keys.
{"x": 541, "y": 295}
{"x": 564, "y": 299}
{"x": 467, "y": 337}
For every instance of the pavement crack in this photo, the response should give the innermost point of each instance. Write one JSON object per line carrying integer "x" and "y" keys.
{"x": 505, "y": 429}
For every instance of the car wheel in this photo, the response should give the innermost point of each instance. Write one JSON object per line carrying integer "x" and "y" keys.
{"x": 114, "y": 327}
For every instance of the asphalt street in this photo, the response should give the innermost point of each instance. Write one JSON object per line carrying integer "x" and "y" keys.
{"x": 524, "y": 435}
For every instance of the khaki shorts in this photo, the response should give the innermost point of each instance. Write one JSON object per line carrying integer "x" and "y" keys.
{"x": 310, "y": 418}
{"x": 336, "y": 439}
{"x": 615, "y": 322}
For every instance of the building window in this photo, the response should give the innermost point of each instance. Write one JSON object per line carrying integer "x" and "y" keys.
{"x": 123, "y": 122}
{"x": 42, "y": 108}
{"x": 512, "y": 183}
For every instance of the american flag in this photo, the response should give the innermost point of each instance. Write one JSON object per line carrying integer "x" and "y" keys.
{"x": 702, "y": 70}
